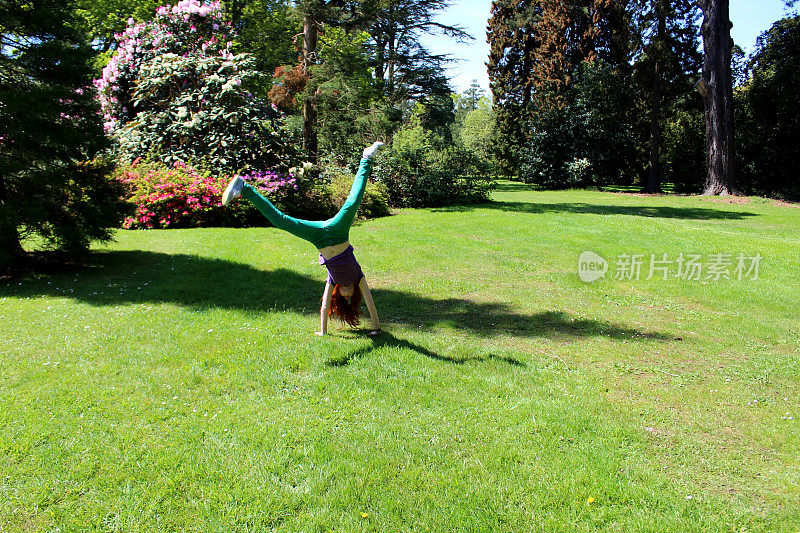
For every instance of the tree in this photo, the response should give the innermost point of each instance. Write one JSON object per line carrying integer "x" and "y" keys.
{"x": 404, "y": 69}
{"x": 103, "y": 19}
{"x": 468, "y": 100}
{"x": 294, "y": 81}
{"x": 265, "y": 29}
{"x": 667, "y": 63}
{"x": 766, "y": 114}
{"x": 49, "y": 129}
{"x": 512, "y": 41}
{"x": 717, "y": 50}
{"x": 477, "y": 131}
{"x": 536, "y": 49}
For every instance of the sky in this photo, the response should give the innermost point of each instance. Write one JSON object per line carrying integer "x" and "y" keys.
{"x": 749, "y": 17}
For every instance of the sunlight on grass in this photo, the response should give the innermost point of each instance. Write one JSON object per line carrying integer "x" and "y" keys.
{"x": 175, "y": 383}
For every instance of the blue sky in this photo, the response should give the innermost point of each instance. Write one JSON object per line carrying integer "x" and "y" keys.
{"x": 749, "y": 17}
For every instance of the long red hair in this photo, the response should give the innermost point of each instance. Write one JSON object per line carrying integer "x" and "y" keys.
{"x": 348, "y": 310}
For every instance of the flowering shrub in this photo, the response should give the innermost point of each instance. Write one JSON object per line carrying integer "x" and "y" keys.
{"x": 175, "y": 91}
{"x": 167, "y": 197}
{"x": 188, "y": 28}
{"x": 270, "y": 182}
{"x": 181, "y": 196}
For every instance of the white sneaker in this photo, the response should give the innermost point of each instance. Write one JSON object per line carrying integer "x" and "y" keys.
{"x": 234, "y": 190}
{"x": 369, "y": 151}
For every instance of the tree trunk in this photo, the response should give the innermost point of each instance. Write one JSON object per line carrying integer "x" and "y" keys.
{"x": 10, "y": 247}
{"x": 379, "y": 61}
{"x": 654, "y": 173}
{"x": 390, "y": 64}
{"x": 236, "y": 12}
{"x": 309, "y": 111}
{"x": 717, "y": 48}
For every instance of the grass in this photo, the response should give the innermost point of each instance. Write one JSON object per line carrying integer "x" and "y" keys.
{"x": 174, "y": 383}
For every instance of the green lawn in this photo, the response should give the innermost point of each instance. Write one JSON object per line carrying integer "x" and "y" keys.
{"x": 175, "y": 382}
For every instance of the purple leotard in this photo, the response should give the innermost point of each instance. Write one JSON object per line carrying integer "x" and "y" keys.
{"x": 343, "y": 269}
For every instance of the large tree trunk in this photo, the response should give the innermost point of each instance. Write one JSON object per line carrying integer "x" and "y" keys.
{"x": 654, "y": 173}
{"x": 717, "y": 47}
{"x": 309, "y": 111}
{"x": 10, "y": 247}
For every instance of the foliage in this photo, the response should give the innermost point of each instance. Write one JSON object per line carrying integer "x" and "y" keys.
{"x": 265, "y": 29}
{"x": 667, "y": 64}
{"x": 422, "y": 170}
{"x": 175, "y": 91}
{"x": 767, "y": 119}
{"x": 536, "y": 49}
{"x": 171, "y": 197}
{"x": 512, "y": 39}
{"x": 103, "y": 19}
{"x": 404, "y": 68}
{"x": 684, "y": 150}
{"x": 587, "y": 141}
{"x": 352, "y": 113}
{"x": 477, "y": 132}
{"x": 375, "y": 202}
{"x": 184, "y": 196}
{"x": 50, "y": 185}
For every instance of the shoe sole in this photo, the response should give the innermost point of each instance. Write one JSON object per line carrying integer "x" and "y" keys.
{"x": 227, "y": 196}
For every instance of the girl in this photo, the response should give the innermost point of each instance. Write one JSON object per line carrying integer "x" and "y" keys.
{"x": 346, "y": 284}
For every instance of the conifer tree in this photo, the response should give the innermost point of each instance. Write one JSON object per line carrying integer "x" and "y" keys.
{"x": 49, "y": 127}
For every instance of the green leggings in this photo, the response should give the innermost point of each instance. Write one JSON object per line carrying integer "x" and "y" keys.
{"x": 321, "y": 233}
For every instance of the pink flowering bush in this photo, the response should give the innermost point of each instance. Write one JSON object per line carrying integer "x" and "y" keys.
{"x": 187, "y": 28}
{"x": 169, "y": 197}
{"x": 175, "y": 91}
{"x": 182, "y": 196}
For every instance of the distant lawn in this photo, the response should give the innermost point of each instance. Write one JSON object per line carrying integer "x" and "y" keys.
{"x": 175, "y": 383}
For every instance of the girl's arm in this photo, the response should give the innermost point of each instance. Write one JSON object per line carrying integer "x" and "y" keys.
{"x": 373, "y": 312}
{"x": 323, "y": 311}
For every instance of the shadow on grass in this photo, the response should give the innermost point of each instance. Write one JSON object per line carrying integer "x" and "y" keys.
{"x": 387, "y": 339}
{"x": 689, "y": 213}
{"x": 201, "y": 283}
{"x": 513, "y": 186}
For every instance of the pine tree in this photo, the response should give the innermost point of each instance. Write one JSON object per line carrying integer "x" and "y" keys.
{"x": 49, "y": 125}
{"x": 513, "y": 44}
{"x": 667, "y": 64}
{"x": 403, "y": 67}
{"x": 537, "y": 46}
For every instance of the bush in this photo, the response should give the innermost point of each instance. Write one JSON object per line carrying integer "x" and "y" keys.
{"x": 684, "y": 151}
{"x": 174, "y": 91}
{"x": 165, "y": 197}
{"x": 421, "y": 170}
{"x": 375, "y": 202}
{"x": 182, "y": 196}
